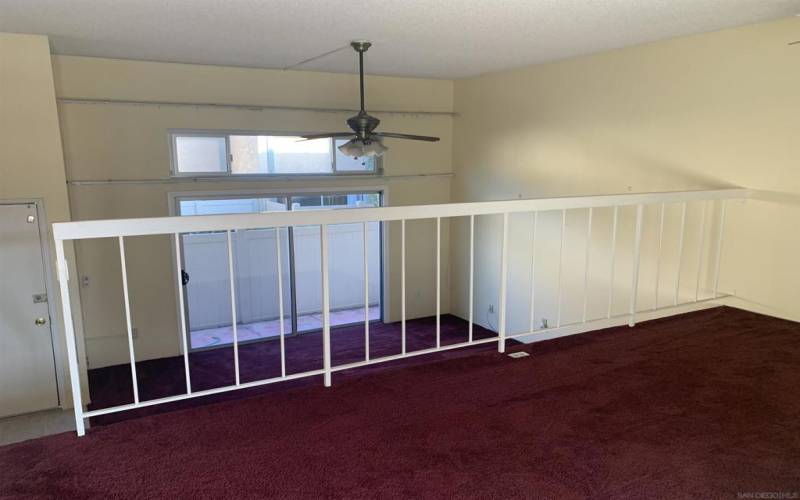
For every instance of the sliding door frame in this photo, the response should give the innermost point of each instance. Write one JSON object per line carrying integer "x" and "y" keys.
{"x": 174, "y": 199}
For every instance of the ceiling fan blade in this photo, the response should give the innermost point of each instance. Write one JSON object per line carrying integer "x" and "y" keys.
{"x": 328, "y": 135}
{"x": 406, "y": 136}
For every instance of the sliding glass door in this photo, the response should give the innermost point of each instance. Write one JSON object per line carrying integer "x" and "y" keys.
{"x": 255, "y": 256}
{"x": 345, "y": 242}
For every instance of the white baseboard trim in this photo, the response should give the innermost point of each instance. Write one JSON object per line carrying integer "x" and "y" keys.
{"x": 600, "y": 324}
{"x": 758, "y": 308}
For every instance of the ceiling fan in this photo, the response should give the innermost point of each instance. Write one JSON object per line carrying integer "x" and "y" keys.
{"x": 364, "y": 141}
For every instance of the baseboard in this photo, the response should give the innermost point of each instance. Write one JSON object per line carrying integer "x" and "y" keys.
{"x": 758, "y": 308}
{"x": 600, "y": 324}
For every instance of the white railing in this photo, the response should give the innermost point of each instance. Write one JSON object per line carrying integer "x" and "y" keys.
{"x": 175, "y": 226}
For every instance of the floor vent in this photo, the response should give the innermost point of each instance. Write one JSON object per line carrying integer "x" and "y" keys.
{"x": 518, "y": 354}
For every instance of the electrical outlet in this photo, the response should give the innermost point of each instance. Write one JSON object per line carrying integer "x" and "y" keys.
{"x": 85, "y": 281}
{"x": 134, "y": 332}
{"x": 518, "y": 354}
{"x": 491, "y": 308}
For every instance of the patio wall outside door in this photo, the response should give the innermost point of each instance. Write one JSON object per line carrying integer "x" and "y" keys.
{"x": 205, "y": 262}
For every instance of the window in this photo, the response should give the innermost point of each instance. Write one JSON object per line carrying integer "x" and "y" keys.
{"x": 208, "y": 153}
{"x": 200, "y": 154}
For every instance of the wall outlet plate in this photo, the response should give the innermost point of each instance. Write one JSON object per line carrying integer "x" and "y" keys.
{"x": 518, "y": 354}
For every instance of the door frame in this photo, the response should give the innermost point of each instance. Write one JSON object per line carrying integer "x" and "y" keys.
{"x": 56, "y": 338}
{"x": 382, "y": 189}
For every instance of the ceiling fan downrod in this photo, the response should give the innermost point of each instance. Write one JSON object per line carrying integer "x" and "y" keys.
{"x": 362, "y": 123}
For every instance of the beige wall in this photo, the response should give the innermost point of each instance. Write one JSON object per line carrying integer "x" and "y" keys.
{"x": 31, "y": 158}
{"x": 708, "y": 111}
{"x": 127, "y": 142}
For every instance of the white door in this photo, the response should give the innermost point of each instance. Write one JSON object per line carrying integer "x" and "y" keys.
{"x": 27, "y": 367}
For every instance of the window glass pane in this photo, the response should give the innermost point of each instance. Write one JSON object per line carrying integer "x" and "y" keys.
{"x": 349, "y": 200}
{"x": 290, "y": 155}
{"x": 217, "y": 206}
{"x": 200, "y": 154}
{"x": 346, "y": 163}
{"x": 345, "y": 249}
{"x": 249, "y": 154}
{"x": 207, "y": 293}
{"x": 279, "y": 155}
{"x": 365, "y": 200}
{"x": 307, "y": 202}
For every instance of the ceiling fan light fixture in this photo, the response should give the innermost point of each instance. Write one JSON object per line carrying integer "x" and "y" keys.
{"x": 374, "y": 147}
{"x": 357, "y": 148}
{"x": 353, "y": 148}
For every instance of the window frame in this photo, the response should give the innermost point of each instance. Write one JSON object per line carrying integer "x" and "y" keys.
{"x": 173, "y": 135}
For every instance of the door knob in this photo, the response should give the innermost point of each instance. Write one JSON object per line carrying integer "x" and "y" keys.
{"x": 39, "y": 321}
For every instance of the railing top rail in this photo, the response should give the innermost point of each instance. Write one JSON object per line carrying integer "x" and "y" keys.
{"x": 199, "y": 223}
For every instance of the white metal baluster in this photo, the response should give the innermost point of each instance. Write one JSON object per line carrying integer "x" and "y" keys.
{"x": 586, "y": 264}
{"x": 232, "y": 277}
{"x": 501, "y": 344}
{"x": 680, "y": 254}
{"x": 658, "y": 253}
{"x": 613, "y": 261}
{"x": 533, "y": 272}
{"x": 637, "y": 247}
{"x": 560, "y": 258}
{"x": 471, "y": 271}
{"x": 182, "y": 308}
{"x": 366, "y": 294}
{"x": 403, "y": 284}
{"x": 438, "y": 281}
{"x": 69, "y": 335}
{"x": 719, "y": 246}
{"x": 128, "y": 319}
{"x": 280, "y": 299}
{"x": 700, "y": 251}
{"x": 326, "y": 307}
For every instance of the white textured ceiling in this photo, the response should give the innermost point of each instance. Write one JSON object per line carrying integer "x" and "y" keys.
{"x": 427, "y": 38}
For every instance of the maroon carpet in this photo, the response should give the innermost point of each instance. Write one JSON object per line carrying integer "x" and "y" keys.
{"x": 111, "y": 386}
{"x": 704, "y": 405}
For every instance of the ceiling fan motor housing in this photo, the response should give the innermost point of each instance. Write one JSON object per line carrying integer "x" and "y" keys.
{"x": 363, "y": 124}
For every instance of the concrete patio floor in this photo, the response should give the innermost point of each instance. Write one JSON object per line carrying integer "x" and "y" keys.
{"x": 223, "y": 335}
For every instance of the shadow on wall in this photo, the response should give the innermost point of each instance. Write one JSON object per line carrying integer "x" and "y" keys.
{"x": 574, "y": 168}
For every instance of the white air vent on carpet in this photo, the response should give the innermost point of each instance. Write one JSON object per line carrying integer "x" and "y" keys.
{"x": 518, "y": 354}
